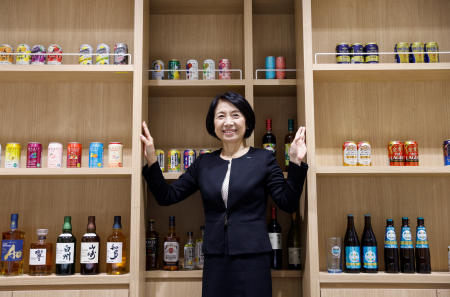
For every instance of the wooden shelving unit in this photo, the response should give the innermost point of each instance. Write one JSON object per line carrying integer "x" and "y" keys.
{"x": 435, "y": 278}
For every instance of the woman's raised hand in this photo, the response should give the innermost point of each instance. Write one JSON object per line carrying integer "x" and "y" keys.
{"x": 298, "y": 147}
{"x": 148, "y": 145}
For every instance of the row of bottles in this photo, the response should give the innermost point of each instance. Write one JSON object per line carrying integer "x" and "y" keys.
{"x": 270, "y": 141}
{"x": 41, "y": 251}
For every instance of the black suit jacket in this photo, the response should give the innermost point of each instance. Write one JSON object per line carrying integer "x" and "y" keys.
{"x": 253, "y": 177}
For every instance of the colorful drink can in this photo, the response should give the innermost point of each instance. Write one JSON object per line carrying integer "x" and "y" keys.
{"x": 189, "y": 156}
{"x": 350, "y": 153}
{"x": 416, "y": 49}
{"x": 55, "y": 58}
{"x": 396, "y": 153}
{"x": 102, "y": 54}
{"x": 224, "y": 69}
{"x": 160, "y": 158}
{"x": 158, "y": 67}
{"x": 280, "y": 64}
{"x": 25, "y": 57}
{"x": 121, "y": 54}
{"x": 74, "y": 151}
{"x": 270, "y": 64}
{"x": 6, "y": 49}
{"x": 446, "y": 147}
{"x": 411, "y": 150}
{"x": 192, "y": 69}
{"x": 364, "y": 153}
{"x": 204, "y": 151}
{"x": 431, "y": 47}
{"x": 402, "y": 50}
{"x": 34, "y": 155}
{"x": 174, "y": 67}
{"x": 371, "y": 53}
{"x": 209, "y": 69}
{"x": 54, "y": 155}
{"x": 96, "y": 155}
{"x": 342, "y": 57}
{"x": 174, "y": 161}
{"x": 37, "y": 59}
{"x": 358, "y": 53}
{"x": 115, "y": 154}
{"x": 12, "y": 155}
{"x": 85, "y": 54}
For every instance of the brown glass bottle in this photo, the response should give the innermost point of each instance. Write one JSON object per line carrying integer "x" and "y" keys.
{"x": 90, "y": 249}
{"x": 41, "y": 255}
{"x": 269, "y": 140}
{"x": 116, "y": 250}
{"x": 151, "y": 248}
{"x": 12, "y": 249}
{"x": 171, "y": 248}
{"x": 287, "y": 143}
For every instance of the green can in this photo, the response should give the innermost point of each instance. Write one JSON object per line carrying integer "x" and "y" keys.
{"x": 174, "y": 67}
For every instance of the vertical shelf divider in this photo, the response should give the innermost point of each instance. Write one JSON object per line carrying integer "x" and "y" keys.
{"x": 248, "y": 58}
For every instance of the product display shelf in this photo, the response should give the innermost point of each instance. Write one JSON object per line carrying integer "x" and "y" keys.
{"x": 65, "y": 172}
{"x": 176, "y": 175}
{"x": 382, "y": 170}
{"x": 158, "y": 274}
{"x": 385, "y": 278}
{"x": 59, "y": 280}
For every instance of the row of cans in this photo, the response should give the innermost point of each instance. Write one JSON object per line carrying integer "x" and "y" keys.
{"x": 102, "y": 54}
{"x": 209, "y": 69}
{"x": 417, "y": 52}
{"x": 403, "y": 153}
{"x": 357, "y": 154}
{"x": 174, "y": 162}
{"x": 360, "y": 53}
{"x": 55, "y": 155}
{"x": 279, "y": 64}
{"x": 54, "y": 56}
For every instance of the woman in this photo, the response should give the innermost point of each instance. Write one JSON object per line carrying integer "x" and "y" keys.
{"x": 234, "y": 183}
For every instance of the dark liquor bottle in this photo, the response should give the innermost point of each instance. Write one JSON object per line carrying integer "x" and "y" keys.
{"x": 369, "y": 247}
{"x": 90, "y": 244}
{"x": 151, "y": 244}
{"x": 41, "y": 255}
{"x": 294, "y": 261}
{"x": 171, "y": 248}
{"x": 116, "y": 249}
{"x": 12, "y": 248}
{"x": 352, "y": 248}
{"x": 390, "y": 248}
{"x": 423, "y": 263}
{"x": 66, "y": 245}
{"x": 269, "y": 141}
{"x": 287, "y": 142}
{"x": 276, "y": 241}
{"x": 406, "y": 248}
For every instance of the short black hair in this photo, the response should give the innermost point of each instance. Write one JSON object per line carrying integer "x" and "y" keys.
{"x": 241, "y": 103}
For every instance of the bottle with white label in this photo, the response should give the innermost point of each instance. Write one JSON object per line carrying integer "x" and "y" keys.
{"x": 274, "y": 229}
{"x": 294, "y": 250}
{"x": 41, "y": 255}
{"x": 116, "y": 251}
{"x": 89, "y": 252}
{"x": 171, "y": 248}
{"x": 66, "y": 245}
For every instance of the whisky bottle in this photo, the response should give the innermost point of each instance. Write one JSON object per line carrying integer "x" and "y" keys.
{"x": 171, "y": 247}
{"x": 12, "y": 249}
{"x": 116, "y": 249}
{"x": 41, "y": 255}
{"x": 189, "y": 252}
{"x": 287, "y": 143}
{"x": 66, "y": 245}
{"x": 89, "y": 253}
{"x": 151, "y": 246}
{"x": 199, "y": 257}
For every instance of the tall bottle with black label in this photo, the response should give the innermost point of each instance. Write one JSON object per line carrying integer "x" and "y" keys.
{"x": 406, "y": 248}
{"x": 423, "y": 263}
{"x": 294, "y": 261}
{"x": 369, "y": 247}
{"x": 90, "y": 249}
{"x": 352, "y": 248}
{"x": 41, "y": 255}
{"x": 151, "y": 246}
{"x": 390, "y": 248}
{"x": 66, "y": 245}
{"x": 276, "y": 241}
{"x": 171, "y": 248}
{"x": 116, "y": 249}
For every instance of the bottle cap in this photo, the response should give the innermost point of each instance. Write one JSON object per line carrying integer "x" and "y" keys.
{"x": 190, "y": 233}
{"x": 42, "y": 232}
{"x": 67, "y": 226}
{"x": 404, "y": 218}
{"x": 350, "y": 215}
{"x": 290, "y": 124}
{"x": 14, "y": 221}
{"x": 389, "y": 220}
{"x": 117, "y": 222}
{"x": 367, "y": 215}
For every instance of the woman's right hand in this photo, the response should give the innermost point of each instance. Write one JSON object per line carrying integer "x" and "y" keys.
{"x": 149, "y": 146}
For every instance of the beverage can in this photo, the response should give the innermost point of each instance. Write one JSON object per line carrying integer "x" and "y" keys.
{"x": 85, "y": 54}
{"x": 416, "y": 49}
{"x": 358, "y": 53}
{"x": 189, "y": 156}
{"x": 74, "y": 151}
{"x": 270, "y": 64}
{"x": 12, "y": 155}
{"x": 396, "y": 153}
{"x": 209, "y": 69}
{"x": 280, "y": 64}
{"x": 192, "y": 69}
{"x": 102, "y": 54}
{"x": 364, "y": 153}
{"x": 121, "y": 54}
{"x": 174, "y": 67}
{"x": 402, "y": 47}
{"x": 55, "y": 155}
{"x": 224, "y": 69}
{"x": 350, "y": 153}
{"x": 204, "y": 151}
{"x": 343, "y": 49}
{"x": 411, "y": 150}
{"x": 34, "y": 155}
{"x": 160, "y": 158}
{"x": 158, "y": 67}
{"x": 96, "y": 155}
{"x": 446, "y": 147}
{"x": 56, "y": 57}
{"x": 38, "y": 59}
{"x": 115, "y": 154}
{"x": 174, "y": 161}
{"x": 371, "y": 53}
{"x": 6, "y": 49}
{"x": 25, "y": 58}
{"x": 431, "y": 49}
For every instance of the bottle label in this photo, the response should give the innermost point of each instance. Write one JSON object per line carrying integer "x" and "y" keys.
{"x": 12, "y": 250}
{"x": 269, "y": 147}
{"x": 89, "y": 252}
{"x": 38, "y": 256}
{"x": 65, "y": 253}
{"x": 370, "y": 257}
{"x": 114, "y": 252}
{"x": 287, "y": 148}
{"x": 421, "y": 238}
{"x": 406, "y": 242}
{"x": 199, "y": 257}
{"x": 294, "y": 256}
{"x": 151, "y": 245}
{"x": 171, "y": 249}
{"x": 189, "y": 257}
{"x": 352, "y": 257}
{"x": 390, "y": 239}
{"x": 275, "y": 241}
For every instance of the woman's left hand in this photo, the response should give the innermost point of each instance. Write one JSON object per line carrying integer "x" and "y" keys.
{"x": 298, "y": 147}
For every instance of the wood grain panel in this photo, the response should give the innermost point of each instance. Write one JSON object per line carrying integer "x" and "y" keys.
{"x": 73, "y": 293}
{"x": 377, "y": 293}
{"x": 443, "y": 293}
{"x": 178, "y": 7}
{"x": 6, "y": 294}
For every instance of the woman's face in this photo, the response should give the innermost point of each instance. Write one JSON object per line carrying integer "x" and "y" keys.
{"x": 229, "y": 122}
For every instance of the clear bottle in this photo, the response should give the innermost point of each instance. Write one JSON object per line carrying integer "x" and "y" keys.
{"x": 41, "y": 255}
{"x": 66, "y": 249}
{"x": 116, "y": 250}
{"x": 12, "y": 248}
{"x": 189, "y": 252}
{"x": 199, "y": 257}
{"x": 90, "y": 252}
{"x": 171, "y": 248}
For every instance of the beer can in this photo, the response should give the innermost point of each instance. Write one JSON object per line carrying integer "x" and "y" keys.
{"x": 12, "y": 155}
{"x": 56, "y": 57}
{"x": 280, "y": 64}
{"x": 74, "y": 151}
{"x": 431, "y": 47}
{"x": 85, "y": 54}
{"x": 174, "y": 67}
{"x": 209, "y": 69}
{"x": 6, "y": 49}
{"x": 189, "y": 156}
{"x": 446, "y": 147}
{"x": 342, "y": 57}
{"x": 54, "y": 155}
{"x": 96, "y": 155}
{"x": 158, "y": 67}
{"x": 224, "y": 69}
{"x": 115, "y": 154}
{"x": 192, "y": 69}
{"x": 25, "y": 57}
{"x": 371, "y": 53}
{"x": 411, "y": 150}
{"x": 102, "y": 54}
{"x": 358, "y": 54}
{"x": 174, "y": 161}
{"x": 34, "y": 155}
{"x": 270, "y": 64}
{"x": 402, "y": 47}
{"x": 121, "y": 54}
{"x": 38, "y": 59}
{"x": 396, "y": 153}
{"x": 416, "y": 49}
{"x": 160, "y": 158}
{"x": 350, "y": 153}
{"x": 364, "y": 153}
{"x": 204, "y": 151}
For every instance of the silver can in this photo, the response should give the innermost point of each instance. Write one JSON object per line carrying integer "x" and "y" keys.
{"x": 209, "y": 69}
{"x": 158, "y": 67}
{"x": 115, "y": 154}
{"x": 102, "y": 54}
{"x": 55, "y": 155}
{"x": 121, "y": 50}
{"x": 85, "y": 54}
{"x": 25, "y": 57}
{"x": 192, "y": 69}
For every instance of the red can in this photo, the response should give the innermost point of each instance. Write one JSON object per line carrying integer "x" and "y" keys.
{"x": 74, "y": 150}
{"x": 224, "y": 69}
{"x": 411, "y": 153}
{"x": 396, "y": 153}
{"x": 34, "y": 155}
{"x": 54, "y": 57}
{"x": 280, "y": 63}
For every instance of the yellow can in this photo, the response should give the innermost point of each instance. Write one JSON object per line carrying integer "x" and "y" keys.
{"x": 174, "y": 161}
{"x": 12, "y": 155}
{"x": 160, "y": 158}
{"x": 402, "y": 50}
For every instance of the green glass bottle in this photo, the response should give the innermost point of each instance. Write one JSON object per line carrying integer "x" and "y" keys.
{"x": 66, "y": 245}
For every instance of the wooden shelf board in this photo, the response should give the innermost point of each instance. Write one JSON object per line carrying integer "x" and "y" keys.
{"x": 57, "y": 280}
{"x": 385, "y": 278}
{"x": 196, "y": 7}
{"x": 64, "y": 172}
{"x": 275, "y": 82}
{"x": 195, "y": 83}
{"x": 273, "y": 7}
{"x": 275, "y": 87}
{"x": 161, "y": 274}
{"x": 382, "y": 170}
{"x": 176, "y": 175}
{"x": 194, "y": 88}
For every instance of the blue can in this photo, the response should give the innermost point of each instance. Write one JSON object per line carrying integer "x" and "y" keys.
{"x": 371, "y": 50}
{"x": 447, "y": 152}
{"x": 189, "y": 156}
{"x": 358, "y": 53}
{"x": 96, "y": 155}
{"x": 270, "y": 64}
{"x": 343, "y": 49}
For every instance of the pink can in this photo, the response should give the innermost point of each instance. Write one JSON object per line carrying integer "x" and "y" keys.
{"x": 280, "y": 63}
{"x": 34, "y": 155}
{"x": 55, "y": 155}
{"x": 224, "y": 69}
